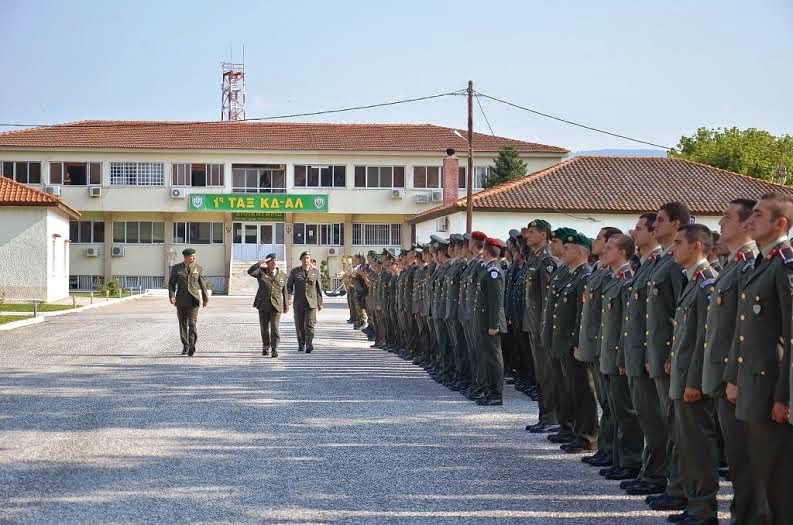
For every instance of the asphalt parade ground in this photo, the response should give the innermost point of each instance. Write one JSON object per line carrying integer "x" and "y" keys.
{"x": 101, "y": 420}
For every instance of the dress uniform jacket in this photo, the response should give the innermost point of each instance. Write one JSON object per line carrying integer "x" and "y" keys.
{"x": 589, "y": 339}
{"x": 664, "y": 287}
{"x": 516, "y": 302}
{"x": 613, "y": 299}
{"x": 417, "y": 289}
{"x": 489, "y": 310}
{"x": 558, "y": 281}
{"x": 722, "y": 312}
{"x": 187, "y": 285}
{"x": 688, "y": 344}
{"x": 566, "y": 317}
{"x": 453, "y": 275}
{"x": 761, "y": 348}
{"x": 542, "y": 266}
{"x": 633, "y": 355}
{"x": 271, "y": 295}
{"x": 305, "y": 286}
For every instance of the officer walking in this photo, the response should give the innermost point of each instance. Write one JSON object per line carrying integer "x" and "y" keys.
{"x": 305, "y": 292}
{"x": 271, "y": 301}
{"x": 187, "y": 289}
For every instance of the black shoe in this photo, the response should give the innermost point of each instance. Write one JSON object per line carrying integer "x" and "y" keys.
{"x": 561, "y": 437}
{"x": 309, "y": 349}
{"x": 266, "y": 351}
{"x": 543, "y": 428}
{"x": 606, "y": 471}
{"x": 625, "y": 484}
{"x": 644, "y": 488}
{"x": 605, "y": 461}
{"x": 575, "y": 448}
{"x": 725, "y": 473}
{"x": 357, "y": 326}
{"x": 623, "y": 473}
{"x": 275, "y": 353}
{"x": 693, "y": 520}
{"x": 489, "y": 401}
{"x": 191, "y": 351}
{"x": 677, "y": 518}
{"x": 300, "y": 348}
{"x": 184, "y": 350}
{"x": 669, "y": 503}
{"x": 594, "y": 457}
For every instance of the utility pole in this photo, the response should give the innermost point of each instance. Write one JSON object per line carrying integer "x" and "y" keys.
{"x": 469, "y": 190}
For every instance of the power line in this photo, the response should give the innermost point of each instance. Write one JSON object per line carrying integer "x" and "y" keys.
{"x": 252, "y": 119}
{"x": 566, "y": 121}
{"x": 479, "y": 102}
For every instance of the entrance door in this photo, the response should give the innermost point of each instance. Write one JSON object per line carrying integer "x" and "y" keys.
{"x": 254, "y": 240}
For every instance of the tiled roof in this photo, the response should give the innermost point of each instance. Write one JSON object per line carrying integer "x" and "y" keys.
{"x": 258, "y": 136}
{"x": 615, "y": 185}
{"x": 13, "y": 193}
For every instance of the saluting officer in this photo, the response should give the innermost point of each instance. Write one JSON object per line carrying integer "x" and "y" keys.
{"x": 305, "y": 292}
{"x": 271, "y": 301}
{"x": 758, "y": 374}
{"x": 187, "y": 290}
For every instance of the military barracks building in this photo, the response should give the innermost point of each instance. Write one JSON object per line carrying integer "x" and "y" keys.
{"x": 589, "y": 193}
{"x": 237, "y": 191}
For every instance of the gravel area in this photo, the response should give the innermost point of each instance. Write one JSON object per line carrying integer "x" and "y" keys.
{"x": 102, "y": 421}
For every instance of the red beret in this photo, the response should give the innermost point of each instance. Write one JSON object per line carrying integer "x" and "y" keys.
{"x": 494, "y": 242}
{"x": 479, "y": 236}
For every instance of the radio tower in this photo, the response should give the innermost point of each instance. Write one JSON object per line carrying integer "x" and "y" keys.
{"x": 233, "y": 104}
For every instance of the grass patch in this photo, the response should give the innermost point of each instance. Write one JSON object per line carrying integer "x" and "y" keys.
{"x": 11, "y": 318}
{"x": 27, "y": 307}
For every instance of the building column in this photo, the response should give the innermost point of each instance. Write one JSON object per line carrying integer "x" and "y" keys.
{"x": 288, "y": 238}
{"x": 228, "y": 244}
{"x": 405, "y": 231}
{"x": 170, "y": 252}
{"x": 108, "y": 250}
{"x": 347, "y": 248}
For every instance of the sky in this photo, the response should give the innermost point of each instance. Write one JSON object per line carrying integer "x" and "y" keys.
{"x": 650, "y": 70}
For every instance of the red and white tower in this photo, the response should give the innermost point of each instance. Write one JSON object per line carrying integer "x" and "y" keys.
{"x": 233, "y": 105}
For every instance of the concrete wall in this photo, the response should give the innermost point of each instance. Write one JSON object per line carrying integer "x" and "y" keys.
{"x": 34, "y": 253}
{"x": 499, "y": 224}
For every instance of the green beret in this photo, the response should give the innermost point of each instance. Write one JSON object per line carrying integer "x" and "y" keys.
{"x": 188, "y": 251}
{"x": 305, "y": 254}
{"x": 563, "y": 233}
{"x": 580, "y": 239}
{"x": 541, "y": 224}
{"x": 371, "y": 253}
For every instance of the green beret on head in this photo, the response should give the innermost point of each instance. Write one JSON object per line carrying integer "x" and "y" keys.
{"x": 580, "y": 239}
{"x": 371, "y": 253}
{"x": 563, "y": 233}
{"x": 541, "y": 224}
{"x": 188, "y": 251}
{"x": 304, "y": 254}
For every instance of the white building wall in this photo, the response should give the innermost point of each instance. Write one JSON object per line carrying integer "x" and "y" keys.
{"x": 498, "y": 225}
{"x": 58, "y": 248}
{"x": 24, "y": 261}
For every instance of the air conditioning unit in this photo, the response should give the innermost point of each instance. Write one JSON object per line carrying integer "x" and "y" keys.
{"x": 333, "y": 251}
{"x": 397, "y": 194}
{"x": 422, "y": 198}
{"x": 437, "y": 196}
{"x": 53, "y": 190}
{"x": 442, "y": 225}
{"x": 92, "y": 251}
{"x": 95, "y": 191}
{"x": 118, "y": 251}
{"x": 178, "y": 193}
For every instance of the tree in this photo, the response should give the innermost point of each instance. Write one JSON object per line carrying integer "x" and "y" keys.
{"x": 508, "y": 166}
{"x": 752, "y": 152}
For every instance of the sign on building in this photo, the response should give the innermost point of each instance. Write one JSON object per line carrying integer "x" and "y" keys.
{"x": 260, "y": 202}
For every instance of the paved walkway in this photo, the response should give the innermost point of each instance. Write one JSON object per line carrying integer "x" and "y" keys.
{"x": 101, "y": 420}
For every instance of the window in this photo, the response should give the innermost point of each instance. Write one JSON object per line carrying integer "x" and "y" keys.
{"x": 137, "y": 174}
{"x": 318, "y": 234}
{"x": 198, "y": 233}
{"x": 376, "y": 234}
{"x": 320, "y": 176}
{"x": 379, "y": 176}
{"x": 259, "y": 179}
{"x": 197, "y": 175}
{"x": 134, "y": 232}
{"x": 481, "y": 173}
{"x": 24, "y": 172}
{"x": 76, "y": 173}
{"x": 427, "y": 177}
{"x": 86, "y": 231}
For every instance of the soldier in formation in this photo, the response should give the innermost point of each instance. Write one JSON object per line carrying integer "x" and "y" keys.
{"x": 682, "y": 336}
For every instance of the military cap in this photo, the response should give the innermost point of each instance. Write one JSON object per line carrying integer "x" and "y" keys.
{"x": 371, "y": 253}
{"x": 188, "y": 251}
{"x": 541, "y": 224}
{"x": 479, "y": 236}
{"x": 457, "y": 238}
{"x": 580, "y": 239}
{"x": 467, "y": 237}
{"x": 444, "y": 242}
{"x": 514, "y": 234}
{"x": 435, "y": 238}
{"x": 491, "y": 241}
{"x": 305, "y": 254}
{"x": 270, "y": 257}
{"x": 562, "y": 233}
{"x": 404, "y": 252}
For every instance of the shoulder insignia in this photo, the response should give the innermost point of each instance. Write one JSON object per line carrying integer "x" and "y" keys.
{"x": 494, "y": 273}
{"x": 790, "y": 279}
{"x": 549, "y": 268}
{"x": 706, "y": 282}
{"x": 786, "y": 253}
{"x": 584, "y": 275}
{"x": 748, "y": 266}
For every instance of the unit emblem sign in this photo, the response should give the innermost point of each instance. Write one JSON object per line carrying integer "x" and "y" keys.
{"x": 263, "y": 202}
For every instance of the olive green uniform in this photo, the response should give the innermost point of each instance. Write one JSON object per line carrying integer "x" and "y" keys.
{"x": 489, "y": 314}
{"x": 187, "y": 285}
{"x": 305, "y": 286}
{"x": 271, "y": 300}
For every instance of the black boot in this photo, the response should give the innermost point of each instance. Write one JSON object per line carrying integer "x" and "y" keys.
{"x": 266, "y": 351}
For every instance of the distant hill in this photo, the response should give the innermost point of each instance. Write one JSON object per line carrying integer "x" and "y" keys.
{"x": 620, "y": 153}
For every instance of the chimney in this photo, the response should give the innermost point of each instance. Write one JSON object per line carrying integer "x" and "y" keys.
{"x": 451, "y": 177}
